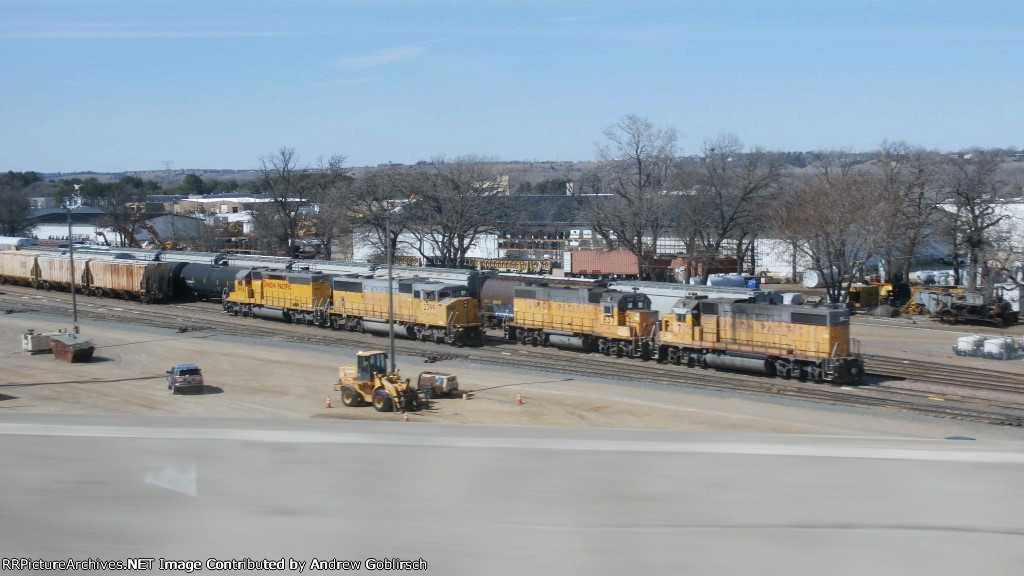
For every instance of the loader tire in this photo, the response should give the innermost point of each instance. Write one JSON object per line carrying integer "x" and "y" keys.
{"x": 382, "y": 401}
{"x": 349, "y": 396}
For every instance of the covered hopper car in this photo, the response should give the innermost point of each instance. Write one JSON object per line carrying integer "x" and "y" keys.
{"x": 96, "y": 276}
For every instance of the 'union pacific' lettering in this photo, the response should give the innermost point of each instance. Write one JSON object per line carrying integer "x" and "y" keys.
{"x": 277, "y": 285}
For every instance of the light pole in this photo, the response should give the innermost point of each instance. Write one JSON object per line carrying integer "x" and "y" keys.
{"x": 391, "y": 295}
{"x": 72, "y": 203}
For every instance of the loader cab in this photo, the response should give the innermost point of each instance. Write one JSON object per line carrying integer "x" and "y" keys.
{"x": 370, "y": 363}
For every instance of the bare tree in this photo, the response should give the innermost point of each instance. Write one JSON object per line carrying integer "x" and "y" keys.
{"x": 907, "y": 179}
{"x": 831, "y": 216}
{"x": 377, "y": 207}
{"x": 631, "y": 208}
{"x": 284, "y": 187}
{"x": 329, "y": 189}
{"x": 121, "y": 203}
{"x": 731, "y": 190}
{"x": 972, "y": 187}
{"x": 456, "y": 203}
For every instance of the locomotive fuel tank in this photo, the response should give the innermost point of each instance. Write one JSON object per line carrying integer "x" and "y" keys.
{"x": 739, "y": 363}
{"x": 569, "y": 341}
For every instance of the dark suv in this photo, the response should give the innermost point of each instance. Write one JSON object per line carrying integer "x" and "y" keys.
{"x": 184, "y": 377}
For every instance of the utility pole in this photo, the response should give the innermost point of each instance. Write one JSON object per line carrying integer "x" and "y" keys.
{"x": 70, "y": 204}
{"x": 391, "y": 294}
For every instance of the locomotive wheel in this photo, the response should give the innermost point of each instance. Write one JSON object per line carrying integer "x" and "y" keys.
{"x": 382, "y": 401}
{"x": 349, "y": 396}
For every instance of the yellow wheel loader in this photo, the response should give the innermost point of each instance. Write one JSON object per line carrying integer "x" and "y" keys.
{"x": 369, "y": 382}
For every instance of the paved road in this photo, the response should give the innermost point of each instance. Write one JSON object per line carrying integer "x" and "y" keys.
{"x": 492, "y": 500}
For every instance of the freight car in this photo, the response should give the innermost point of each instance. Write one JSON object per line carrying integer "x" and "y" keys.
{"x": 104, "y": 276}
{"x": 194, "y": 281}
{"x": 798, "y": 341}
{"x": 145, "y": 281}
{"x": 421, "y": 309}
{"x": 608, "y": 321}
{"x": 18, "y": 267}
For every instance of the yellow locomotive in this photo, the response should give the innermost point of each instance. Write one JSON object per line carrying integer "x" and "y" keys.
{"x": 609, "y": 321}
{"x": 800, "y": 341}
{"x": 421, "y": 309}
{"x": 301, "y": 297}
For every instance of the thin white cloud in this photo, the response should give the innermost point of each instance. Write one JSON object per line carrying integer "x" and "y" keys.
{"x": 347, "y": 81}
{"x": 383, "y": 56}
{"x": 115, "y": 30}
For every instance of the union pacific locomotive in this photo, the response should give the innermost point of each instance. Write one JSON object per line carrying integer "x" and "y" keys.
{"x": 421, "y": 308}
{"x": 608, "y": 321}
{"x": 749, "y": 334}
{"x": 798, "y": 341}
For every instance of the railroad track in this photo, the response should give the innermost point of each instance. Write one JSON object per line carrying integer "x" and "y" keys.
{"x": 945, "y": 374}
{"x": 203, "y": 316}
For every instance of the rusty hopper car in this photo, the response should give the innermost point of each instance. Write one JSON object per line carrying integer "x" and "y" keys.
{"x": 422, "y": 309}
{"x": 300, "y": 297}
{"x": 609, "y": 321}
{"x": 18, "y": 267}
{"x": 55, "y": 272}
{"x": 798, "y": 341}
{"x": 146, "y": 281}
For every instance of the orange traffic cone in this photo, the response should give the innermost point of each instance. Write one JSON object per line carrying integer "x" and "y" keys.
{"x": 519, "y": 398}
{"x": 405, "y": 417}
{"x": 328, "y": 403}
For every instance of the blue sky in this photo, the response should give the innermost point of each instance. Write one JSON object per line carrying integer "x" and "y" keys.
{"x": 114, "y": 85}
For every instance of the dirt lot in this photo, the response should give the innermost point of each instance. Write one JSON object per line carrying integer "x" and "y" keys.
{"x": 274, "y": 379}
